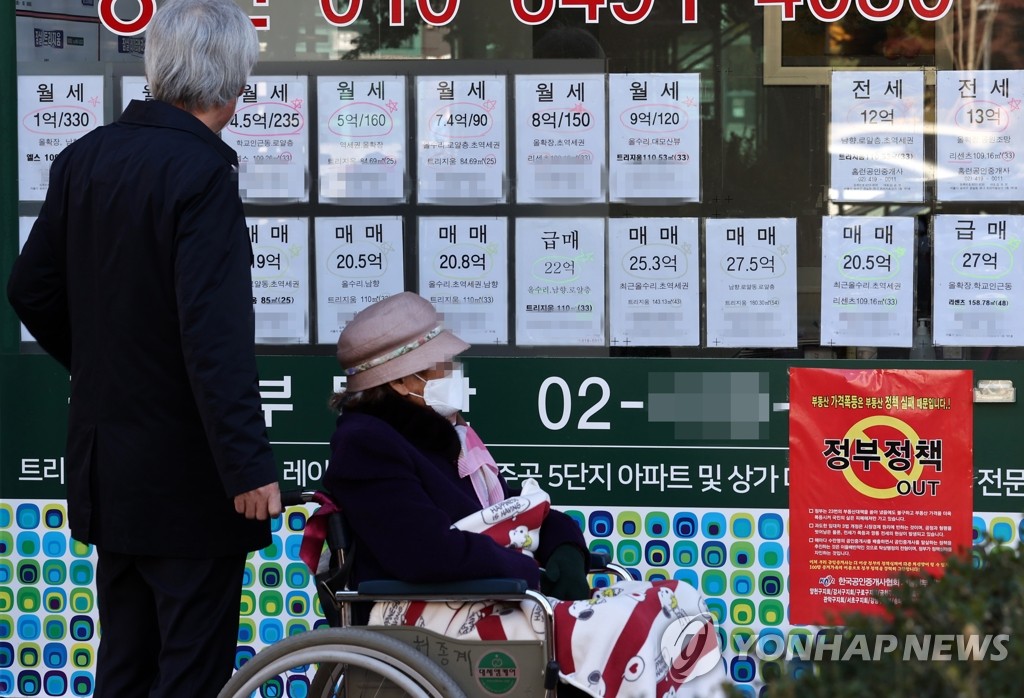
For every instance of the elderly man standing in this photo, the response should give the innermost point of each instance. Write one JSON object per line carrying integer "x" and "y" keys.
{"x": 136, "y": 277}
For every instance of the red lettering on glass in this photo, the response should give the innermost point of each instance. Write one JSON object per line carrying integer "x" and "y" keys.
{"x": 341, "y": 20}
{"x": 135, "y": 26}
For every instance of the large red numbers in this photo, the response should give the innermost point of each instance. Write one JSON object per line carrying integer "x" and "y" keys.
{"x": 438, "y": 19}
{"x": 643, "y": 8}
{"x": 397, "y": 14}
{"x": 880, "y": 14}
{"x": 533, "y": 17}
{"x": 689, "y": 11}
{"x": 341, "y": 20}
{"x": 788, "y": 7}
{"x": 593, "y": 8}
{"x": 931, "y": 14}
{"x": 829, "y": 14}
{"x": 135, "y": 26}
{"x": 875, "y": 10}
{"x": 823, "y": 10}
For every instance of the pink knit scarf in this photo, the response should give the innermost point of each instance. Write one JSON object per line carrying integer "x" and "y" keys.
{"x": 476, "y": 463}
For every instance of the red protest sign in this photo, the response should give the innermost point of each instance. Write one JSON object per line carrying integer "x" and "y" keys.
{"x": 880, "y": 481}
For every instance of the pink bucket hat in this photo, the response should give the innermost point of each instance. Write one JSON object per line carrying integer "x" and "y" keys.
{"x": 394, "y": 338}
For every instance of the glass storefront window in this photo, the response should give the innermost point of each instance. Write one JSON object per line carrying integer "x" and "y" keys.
{"x": 763, "y": 114}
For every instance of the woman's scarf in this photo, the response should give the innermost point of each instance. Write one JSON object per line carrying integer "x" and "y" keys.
{"x": 477, "y": 464}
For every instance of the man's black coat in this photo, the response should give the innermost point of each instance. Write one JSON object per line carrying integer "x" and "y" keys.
{"x": 136, "y": 277}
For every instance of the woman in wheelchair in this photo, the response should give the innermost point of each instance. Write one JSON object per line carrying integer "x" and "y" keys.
{"x": 405, "y": 465}
{"x": 426, "y": 504}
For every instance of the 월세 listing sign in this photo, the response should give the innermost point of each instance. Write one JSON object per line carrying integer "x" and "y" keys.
{"x": 880, "y": 482}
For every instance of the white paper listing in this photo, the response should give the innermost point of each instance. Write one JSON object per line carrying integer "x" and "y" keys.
{"x": 560, "y": 138}
{"x": 980, "y": 135}
{"x": 751, "y": 282}
{"x": 654, "y": 136}
{"x": 461, "y": 139}
{"x": 134, "y": 87}
{"x": 978, "y": 280}
{"x": 867, "y": 281}
{"x": 53, "y": 112}
{"x": 270, "y": 133}
{"x": 359, "y": 261}
{"x": 560, "y": 281}
{"x": 464, "y": 273}
{"x": 654, "y": 282}
{"x": 876, "y": 137}
{"x": 362, "y": 138}
{"x": 280, "y": 279}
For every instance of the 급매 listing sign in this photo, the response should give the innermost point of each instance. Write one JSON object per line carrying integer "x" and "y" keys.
{"x": 880, "y": 481}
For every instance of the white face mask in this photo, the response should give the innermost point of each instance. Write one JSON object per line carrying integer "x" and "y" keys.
{"x": 447, "y": 395}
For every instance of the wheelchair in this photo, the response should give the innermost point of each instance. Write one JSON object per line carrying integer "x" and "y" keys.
{"x": 353, "y": 661}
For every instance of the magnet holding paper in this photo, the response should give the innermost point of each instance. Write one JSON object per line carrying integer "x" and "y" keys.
{"x": 995, "y": 391}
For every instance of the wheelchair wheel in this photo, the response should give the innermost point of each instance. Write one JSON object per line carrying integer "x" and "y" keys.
{"x": 340, "y": 663}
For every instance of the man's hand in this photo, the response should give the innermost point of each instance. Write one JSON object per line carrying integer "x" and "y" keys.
{"x": 260, "y": 503}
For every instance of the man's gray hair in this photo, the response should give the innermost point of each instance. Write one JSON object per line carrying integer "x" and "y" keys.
{"x": 199, "y": 53}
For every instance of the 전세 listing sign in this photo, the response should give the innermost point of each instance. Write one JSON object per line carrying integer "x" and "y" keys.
{"x": 881, "y": 482}
{"x": 979, "y": 135}
{"x": 876, "y": 136}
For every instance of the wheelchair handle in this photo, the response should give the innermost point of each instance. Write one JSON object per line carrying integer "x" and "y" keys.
{"x": 294, "y": 498}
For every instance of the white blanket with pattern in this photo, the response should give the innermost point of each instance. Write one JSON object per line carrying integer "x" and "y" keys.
{"x": 629, "y": 640}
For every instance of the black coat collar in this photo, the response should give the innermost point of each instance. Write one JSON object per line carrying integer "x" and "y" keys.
{"x": 156, "y": 113}
{"x": 422, "y": 426}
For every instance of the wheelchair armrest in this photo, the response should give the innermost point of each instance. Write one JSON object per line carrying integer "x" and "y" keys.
{"x": 601, "y": 563}
{"x": 474, "y": 587}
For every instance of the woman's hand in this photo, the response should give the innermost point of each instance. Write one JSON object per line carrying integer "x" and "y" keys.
{"x": 565, "y": 575}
